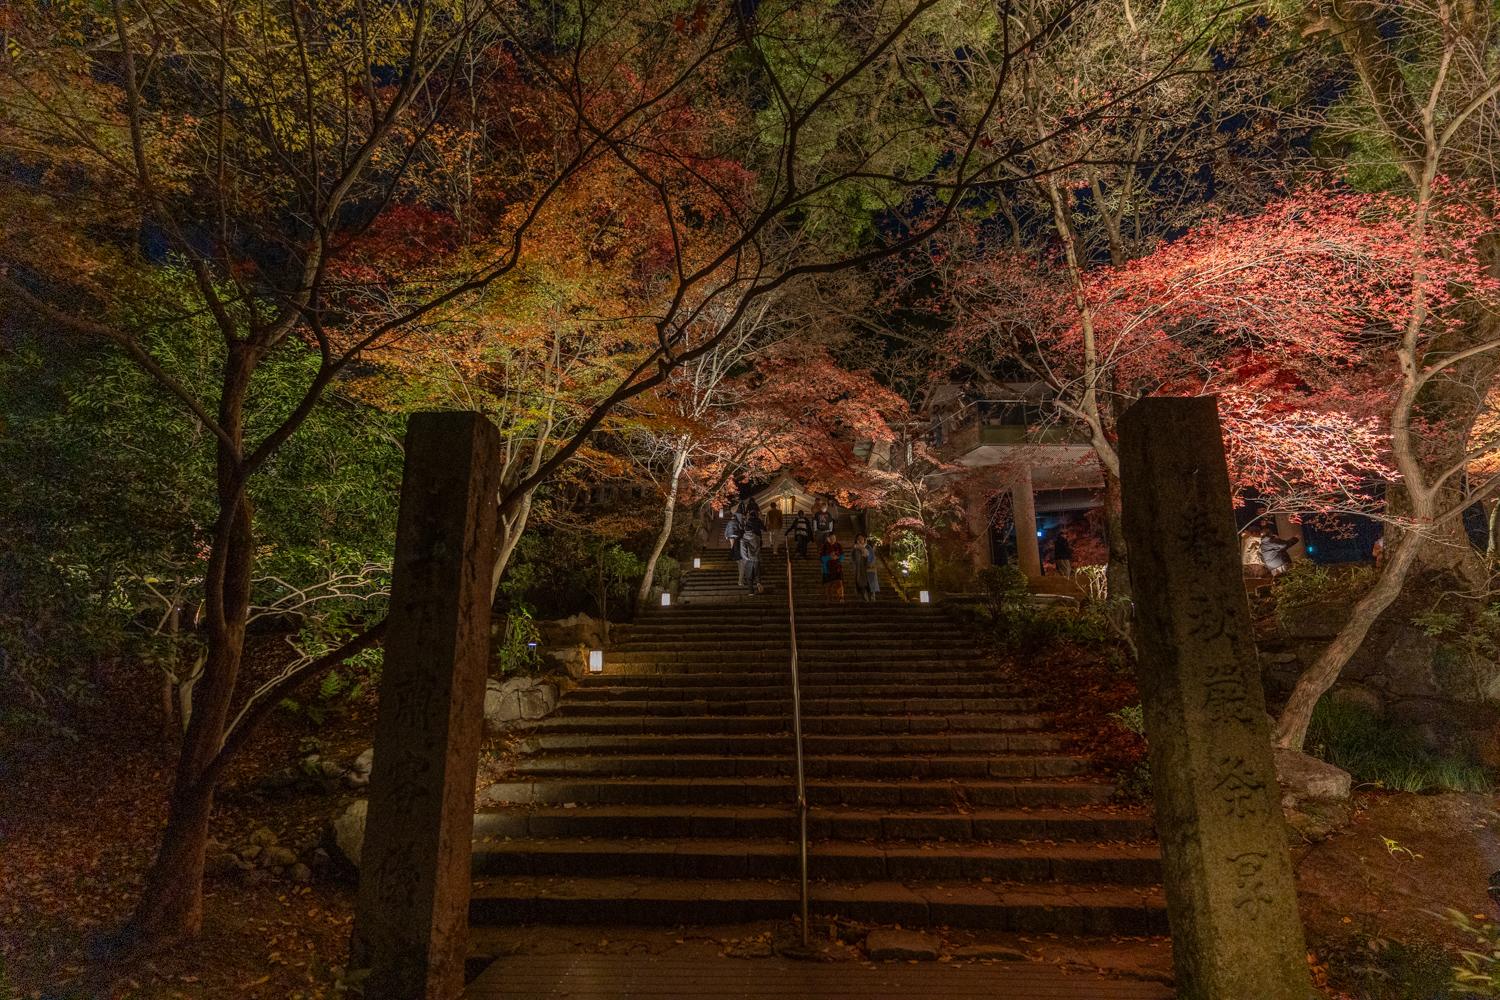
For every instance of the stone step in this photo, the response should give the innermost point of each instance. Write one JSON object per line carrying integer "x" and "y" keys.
{"x": 830, "y": 678}
{"x": 1079, "y": 824}
{"x": 821, "y": 724}
{"x": 806, "y": 646}
{"x": 1111, "y": 864}
{"x": 573, "y": 706}
{"x": 823, "y": 766}
{"x": 1061, "y": 909}
{"x": 781, "y": 743}
{"x": 1015, "y": 793}
{"x": 779, "y": 687}
{"x": 672, "y": 663}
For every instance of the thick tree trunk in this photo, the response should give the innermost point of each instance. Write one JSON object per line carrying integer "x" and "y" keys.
{"x": 1291, "y": 728}
{"x": 171, "y": 904}
{"x": 665, "y": 534}
{"x": 1117, "y": 572}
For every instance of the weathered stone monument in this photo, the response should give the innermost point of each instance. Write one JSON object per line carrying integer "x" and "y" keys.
{"x": 1236, "y": 932}
{"x": 411, "y": 918}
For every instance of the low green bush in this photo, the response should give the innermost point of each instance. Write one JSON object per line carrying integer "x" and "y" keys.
{"x": 1386, "y": 755}
{"x": 1308, "y": 587}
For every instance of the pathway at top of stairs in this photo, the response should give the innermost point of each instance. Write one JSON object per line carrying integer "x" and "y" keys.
{"x": 662, "y": 793}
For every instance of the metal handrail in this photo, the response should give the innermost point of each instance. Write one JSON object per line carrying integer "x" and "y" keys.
{"x": 791, "y": 614}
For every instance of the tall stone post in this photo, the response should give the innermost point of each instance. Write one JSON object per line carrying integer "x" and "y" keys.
{"x": 1023, "y": 510}
{"x": 1230, "y": 898}
{"x": 411, "y": 917}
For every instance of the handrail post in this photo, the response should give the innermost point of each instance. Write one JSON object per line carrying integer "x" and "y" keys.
{"x": 791, "y": 613}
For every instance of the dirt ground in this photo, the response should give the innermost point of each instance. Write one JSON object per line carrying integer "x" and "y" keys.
{"x": 79, "y": 819}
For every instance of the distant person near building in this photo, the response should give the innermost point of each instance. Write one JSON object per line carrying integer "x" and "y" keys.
{"x": 1062, "y": 554}
{"x": 1276, "y": 552}
{"x": 774, "y": 527}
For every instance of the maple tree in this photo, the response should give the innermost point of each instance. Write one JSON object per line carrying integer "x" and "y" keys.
{"x": 267, "y": 151}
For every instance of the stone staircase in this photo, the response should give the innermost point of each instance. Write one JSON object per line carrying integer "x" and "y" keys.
{"x": 661, "y": 792}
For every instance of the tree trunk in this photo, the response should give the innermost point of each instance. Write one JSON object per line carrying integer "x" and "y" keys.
{"x": 1291, "y": 728}
{"x": 665, "y": 534}
{"x": 1117, "y": 571}
{"x": 171, "y": 905}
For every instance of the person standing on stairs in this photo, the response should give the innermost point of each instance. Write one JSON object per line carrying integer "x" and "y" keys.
{"x": 859, "y": 564}
{"x": 822, "y": 524}
{"x": 801, "y": 533}
{"x": 774, "y": 526}
{"x": 833, "y": 568}
{"x": 750, "y": 543}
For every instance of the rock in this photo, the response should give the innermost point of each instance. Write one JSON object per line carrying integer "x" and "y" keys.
{"x": 301, "y": 873}
{"x": 1315, "y": 795}
{"x": 538, "y": 701}
{"x": 517, "y": 698}
{"x": 887, "y": 945}
{"x": 349, "y": 831}
{"x": 357, "y": 775}
{"x": 1303, "y": 777}
{"x": 991, "y": 951}
{"x": 319, "y": 858}
{"x": 258, "y": 877}
{"x": 220, "y": 862}
{"x": 1359, "y": 695}
{"x": 264, "y": 837}
{"x": 248, "y": 852}
{"x": 276, "y": 856}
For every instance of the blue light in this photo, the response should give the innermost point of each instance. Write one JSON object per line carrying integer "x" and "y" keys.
{"x": 1041, "y": 534}
{"x": 531, "y": 645}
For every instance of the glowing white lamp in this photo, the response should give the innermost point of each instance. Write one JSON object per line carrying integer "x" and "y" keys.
{"x": 925, "y": 597}
{"x": 666, "y": 599}
{"x": 596, "y": 661}
{"x": 697, "y": 563}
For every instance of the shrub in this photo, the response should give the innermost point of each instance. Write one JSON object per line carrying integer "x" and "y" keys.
{"x": 1388, "y": 756}
{"x": 1308, "y": 587}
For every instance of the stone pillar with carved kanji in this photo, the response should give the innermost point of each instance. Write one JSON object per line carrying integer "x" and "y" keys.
{"x": 1231, "y": 902}
{"x": 411, "y": 917}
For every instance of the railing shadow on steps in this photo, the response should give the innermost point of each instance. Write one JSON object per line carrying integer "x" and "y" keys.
{"x": 791, "y": 613}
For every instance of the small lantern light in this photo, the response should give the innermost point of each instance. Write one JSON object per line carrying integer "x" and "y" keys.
{"x": 925, "y": 597}
{"x": 596, "y": 661}
{"x": 697, "y": 563}
{"x": 666, "y": 599}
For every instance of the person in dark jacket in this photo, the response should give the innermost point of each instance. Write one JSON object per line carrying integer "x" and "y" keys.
{"x": 833, "y": 568}
{"x": 1062, "y": 554}
{"x": 750, "y": 554}
{"x": 800, "y": 531}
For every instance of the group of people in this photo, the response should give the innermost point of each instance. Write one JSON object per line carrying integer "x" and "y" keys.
{"x": 747, "y": 532}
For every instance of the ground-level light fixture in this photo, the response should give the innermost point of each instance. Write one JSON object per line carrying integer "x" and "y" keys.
{"x": 925, "y": 597}
{"x": 596, "y": 661}
{"x": 697, "y": 563}
{"x": 666, "y": 599}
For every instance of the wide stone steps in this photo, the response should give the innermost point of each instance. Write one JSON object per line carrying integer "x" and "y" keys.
{"x": 718, "y": 858}
{"x": 842, "y": 823}
{"x": 781, "y": 743}
{"x": 770, "y": 690}
{"x": 662, "y": 790}
{"x": 814, "y": 724}
{"x": 845, "y": 766}
{"x": 953, "y": 793}
{"x": 1058, "y": 909}
{"x": 810, "y": 706}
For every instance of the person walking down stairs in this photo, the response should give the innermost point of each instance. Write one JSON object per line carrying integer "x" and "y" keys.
{"x": 833, "y": 568}
{"x": 862, "y": 566}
